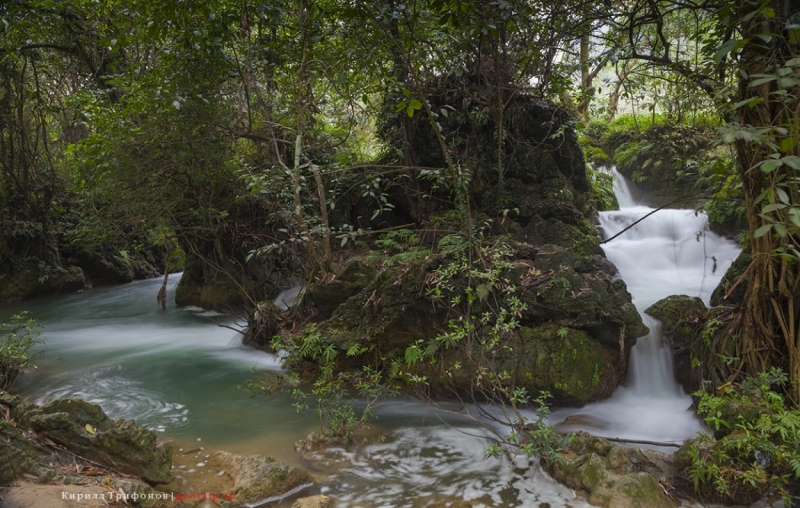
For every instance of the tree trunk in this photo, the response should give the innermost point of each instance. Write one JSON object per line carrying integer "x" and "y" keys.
{"x": 768, "y": 333}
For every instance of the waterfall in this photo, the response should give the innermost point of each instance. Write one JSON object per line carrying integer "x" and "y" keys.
{"x": 671, "y": 252}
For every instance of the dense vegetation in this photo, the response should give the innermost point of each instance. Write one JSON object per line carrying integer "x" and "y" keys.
{"x": 255, "y": 142}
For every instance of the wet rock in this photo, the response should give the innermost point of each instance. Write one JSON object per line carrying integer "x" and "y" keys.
{"x": 611, "y": 476}
{"x": 257, "y": 477}
{"x": 568, "y": 363}
{"x": 17, "y": 454}
{"x": 85, "y": 429}
{"x": 315, "y": 502}
{"x": 683, "y": 318}
{"x": 315, "y": 442}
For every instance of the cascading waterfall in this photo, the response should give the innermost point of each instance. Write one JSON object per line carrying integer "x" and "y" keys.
{"x": 671, "y": 252}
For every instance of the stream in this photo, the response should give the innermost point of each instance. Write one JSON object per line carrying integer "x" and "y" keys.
{"x": 176, "y": 371}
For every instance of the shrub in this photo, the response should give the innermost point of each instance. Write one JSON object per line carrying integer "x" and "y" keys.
{"x": 18, "y": 339}
{"x": 760, "y": 448}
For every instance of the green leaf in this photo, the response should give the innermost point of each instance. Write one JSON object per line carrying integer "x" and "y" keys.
{"x": 761, "y": 81}
{"x": 794, "y": 216}
{"x": 771, "y": 165}
{"x": 772, "y": 207}
{"x": 763, "y": 230}
{"x": 787, "y": 144}
{"x": 793, "y": 161}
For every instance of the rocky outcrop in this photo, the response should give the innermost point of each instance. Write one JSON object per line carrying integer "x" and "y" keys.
{"x": 612, "y": 476}
{"x": 35, "y": 278}
{"x": 257, "y": 477}
{"x": 578, "y": 322}
{"x": 83, "y": 429}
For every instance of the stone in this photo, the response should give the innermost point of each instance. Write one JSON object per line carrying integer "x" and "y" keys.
{"x": 120, "y": 444}
{"x": 315, "y": 502}
{"x": 257, "y": 477}
{"x": 611, "y": 476}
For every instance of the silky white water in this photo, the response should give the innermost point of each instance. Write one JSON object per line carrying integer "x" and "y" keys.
{"x": 671, "y": 252}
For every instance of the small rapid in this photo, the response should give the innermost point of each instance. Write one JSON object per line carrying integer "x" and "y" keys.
{"x": 671, "y": 252}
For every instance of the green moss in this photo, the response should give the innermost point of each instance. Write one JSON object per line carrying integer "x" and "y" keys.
{"x": 567, "y": 360}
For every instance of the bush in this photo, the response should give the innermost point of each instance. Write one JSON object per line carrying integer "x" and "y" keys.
{"x": 760, "y": 448}
{"x": 18, "y": 339}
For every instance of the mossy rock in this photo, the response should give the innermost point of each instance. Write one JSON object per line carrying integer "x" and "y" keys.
{"x": 215, "y": 296}
{"x": 257, "y": 477}
{"x": 18, "y": 455}
{"x": 120, "y": 444}
{"x": 570, "y": 365}
{"x": 36, "y": 278}
{"x": 565, "y": 361}
{"x": 348, "y": 282}
{"x": 389, "y": 313}
{"x": 588, "y": 301}
{"x": 611, "y": 476}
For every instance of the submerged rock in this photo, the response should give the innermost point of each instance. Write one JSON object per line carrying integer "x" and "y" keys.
{"x": 315, "y": 502}
{"x": 614, "y": 477}
{"x": 84, "y": 429}
{"x": 257, "y": 477}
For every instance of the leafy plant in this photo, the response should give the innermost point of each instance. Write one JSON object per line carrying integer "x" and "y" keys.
{"x": 342, "y": 401}
{"x": 18, "y": 340}
{"x": 760, "y": 446}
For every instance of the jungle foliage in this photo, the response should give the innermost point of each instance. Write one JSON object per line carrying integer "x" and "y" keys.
{"x": 259, "y": 140}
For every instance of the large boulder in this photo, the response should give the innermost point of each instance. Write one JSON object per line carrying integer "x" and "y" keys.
{"x": 84, "y": 429}
{"x": 577, "y": 322}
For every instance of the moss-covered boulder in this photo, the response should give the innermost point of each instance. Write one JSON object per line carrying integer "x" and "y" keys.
{"x": 566, "y": 362}
{"x": 613, "y": 477}
{"x": 27, "y": 432}
{"x": 389, "y": 313}
{"x": 257, "y": 477}
{"x": 85, "y": 429}
{"x": 327, "y": 297}
{"x": 683, "y": 319}
{"x": 590, "y": 301}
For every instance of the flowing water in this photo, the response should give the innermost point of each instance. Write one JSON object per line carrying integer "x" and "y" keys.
{"x": 175, "y": 371}
{"x": 671, "y": 252}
